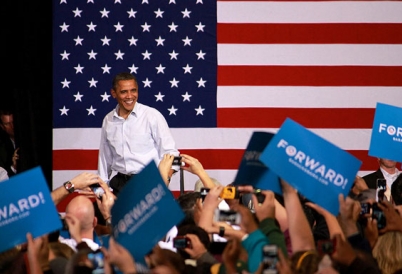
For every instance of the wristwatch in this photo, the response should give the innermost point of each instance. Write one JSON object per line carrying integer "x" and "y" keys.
{"x": 69, "y": 186}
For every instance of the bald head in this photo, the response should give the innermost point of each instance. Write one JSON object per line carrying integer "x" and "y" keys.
{"x": 82, "y": 208}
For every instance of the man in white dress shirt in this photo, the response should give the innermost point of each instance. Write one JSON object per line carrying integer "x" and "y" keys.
{"x": 132, "y": 136}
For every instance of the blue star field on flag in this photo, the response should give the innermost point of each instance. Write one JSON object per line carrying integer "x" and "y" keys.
{"x": 169, "y": 45}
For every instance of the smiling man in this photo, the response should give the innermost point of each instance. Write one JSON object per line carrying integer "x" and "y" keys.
{"x": 132, "y": 135}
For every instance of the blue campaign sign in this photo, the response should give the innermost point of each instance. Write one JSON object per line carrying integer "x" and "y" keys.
{"x": 386, "y": 134}
{"x": 252, "y": 171}
{"x": 318, "y": 169}
{"x": 26, "y": 206}
{"x": 144, "y": 212}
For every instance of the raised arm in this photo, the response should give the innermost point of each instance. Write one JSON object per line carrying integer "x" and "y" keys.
{"x": 301, "y": 235}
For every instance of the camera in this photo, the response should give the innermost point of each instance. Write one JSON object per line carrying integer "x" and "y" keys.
{"x": 260, "y": 196}
{"x": 204, "y": 191}
{"x": 177, "y": 161}
{"x": 378, "y": 214}
{"x": 230, "y": 192}
{"x": 269, "y": 259}
{"x": 97, "y": 261}
{"x": 181, "y": 242}
{"x": 230, "y": 216}
{"x": 326, "y": 246}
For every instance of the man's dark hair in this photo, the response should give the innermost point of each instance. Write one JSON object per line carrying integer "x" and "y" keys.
{"x": 187, "y": 202}
{"x": 122, "y": 77}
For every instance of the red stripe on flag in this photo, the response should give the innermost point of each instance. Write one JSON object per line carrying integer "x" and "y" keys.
{"x": 309, "y": 76}
{"x": 308, "y": 117}
{"x": 210, "y": 158}
{"x": 346, "y": 33}
{"x": 75, "y": 159}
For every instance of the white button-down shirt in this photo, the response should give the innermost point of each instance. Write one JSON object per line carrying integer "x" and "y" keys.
{"x": 128, "y": 145}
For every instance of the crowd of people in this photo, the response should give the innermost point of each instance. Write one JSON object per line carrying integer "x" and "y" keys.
{"x": 308, "y": 239}
{"x": 264, "y": 233}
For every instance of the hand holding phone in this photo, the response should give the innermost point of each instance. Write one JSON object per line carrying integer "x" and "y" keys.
{"x": 378, "y": 214}
{"x": 98, "y": 190}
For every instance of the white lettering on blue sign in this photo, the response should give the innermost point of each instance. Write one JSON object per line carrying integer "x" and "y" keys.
{"x": 134, "y": 217}
{"x": 391, "y": 130}
{"x": 309, "y": 164}
{"x": 22, "y": 205}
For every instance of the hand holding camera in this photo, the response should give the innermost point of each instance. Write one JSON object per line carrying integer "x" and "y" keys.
{"x": 196, "y": 248}
{"x": 230, "y": 193}
{"x": 392, "y": 219}
{"x": 378, "y": 214}
{"x": 181, "y": 242}
{"x": 264, "y": 204}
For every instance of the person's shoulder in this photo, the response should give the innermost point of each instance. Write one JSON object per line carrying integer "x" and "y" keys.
{"x": 372, "y": 175}
{"x": 148, "y": 109}
{"x": 109, "y": 115}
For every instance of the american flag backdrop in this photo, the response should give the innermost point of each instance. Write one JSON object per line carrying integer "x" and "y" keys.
{"x": 219, "y": 70}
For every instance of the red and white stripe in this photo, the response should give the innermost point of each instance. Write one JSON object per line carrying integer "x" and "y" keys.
{"x": 325, "y": 64}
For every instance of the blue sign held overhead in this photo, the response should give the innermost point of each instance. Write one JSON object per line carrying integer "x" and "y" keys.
{"x": 318, "y": 169}
{"x": 254, "y": 172}
{"x": 26, "y": 206}
{"x": 144, "y": 212}
{"x": 386, "y": 134}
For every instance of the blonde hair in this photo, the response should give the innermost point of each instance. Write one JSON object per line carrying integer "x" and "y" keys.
{"x": 198, "y": 184}
{"x": 388, "y": 252}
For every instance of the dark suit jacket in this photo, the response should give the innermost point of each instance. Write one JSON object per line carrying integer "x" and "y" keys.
{"x": 6, "y": 153}
{"x": 371, "y": 179}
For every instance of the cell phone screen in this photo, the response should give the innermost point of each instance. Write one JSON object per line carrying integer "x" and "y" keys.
{"x": 181, "y": 242}
{"x": 365, "y": 208}
{"x": 381, "y": 184}
{"x": 97, "y": 260}
{"x": 269, "y": 257}
{"x": 378, "y": 214}
{"x": 230, "y": 216}
{"x": 98, "y": 190}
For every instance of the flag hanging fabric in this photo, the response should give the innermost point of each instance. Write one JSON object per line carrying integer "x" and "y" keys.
{"x": 220, "y": 70}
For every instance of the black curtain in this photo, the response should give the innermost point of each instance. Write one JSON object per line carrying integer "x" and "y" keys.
{"x": 27, "y": 89}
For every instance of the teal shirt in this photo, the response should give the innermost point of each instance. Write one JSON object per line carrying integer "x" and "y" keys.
{"x": 253, "y": 245}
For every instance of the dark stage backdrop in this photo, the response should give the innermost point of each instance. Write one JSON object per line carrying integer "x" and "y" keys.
{"x": 27, "y": 81}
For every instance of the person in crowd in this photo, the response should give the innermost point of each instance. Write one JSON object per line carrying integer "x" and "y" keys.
{"x": 388, "y": 252}
{"x": 387, "y": 170}
{"x": 352, "y": 251}
{"x": 81, "y": 221}
{"x": 8, "y": 149}
{"x": 132, "y": 135}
